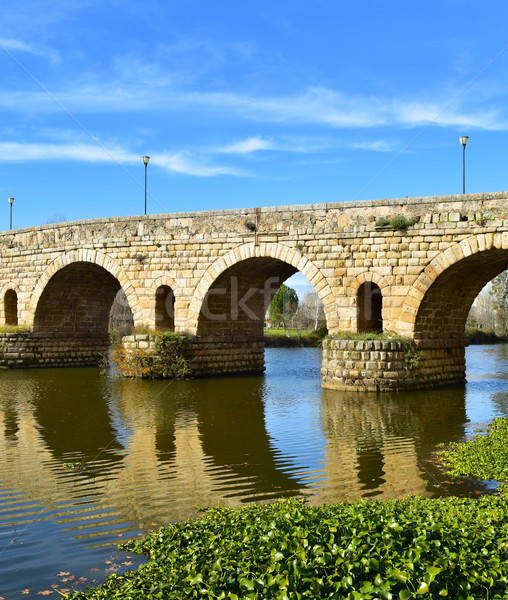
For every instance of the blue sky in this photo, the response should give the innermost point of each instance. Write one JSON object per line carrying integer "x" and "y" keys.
{"x": 243, "y": 103}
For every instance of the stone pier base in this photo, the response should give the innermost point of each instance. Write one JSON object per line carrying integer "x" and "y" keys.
{"x": 27, "y": 349}
{"x": 212, "y": 355}
{"x": 390, "y": 365}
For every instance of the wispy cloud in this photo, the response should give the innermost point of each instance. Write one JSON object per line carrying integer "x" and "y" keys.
{"x": 375, "y": 146}
{"x": 181, "y": 163}
{"x": 252, "y": 144}
{"x": 184, "y": 164}
{"x": 43, "y": 51}
{"x": 315, "y": 105}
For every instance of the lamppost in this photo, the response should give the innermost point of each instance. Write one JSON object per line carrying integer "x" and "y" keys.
{"x": 11, "y": 202}
{"x": 145, "y": 160}
{"x": 463, "y": 140}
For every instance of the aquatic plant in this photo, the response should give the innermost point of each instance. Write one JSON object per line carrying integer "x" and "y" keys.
{"x": 485, "y": 456}
{"x": 400, "y": 549}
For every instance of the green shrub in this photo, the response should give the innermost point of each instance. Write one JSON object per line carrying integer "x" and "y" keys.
{"x": 382, "y": 222}
{"x": 399, "y": 222}
{"x": 165, "y": 359}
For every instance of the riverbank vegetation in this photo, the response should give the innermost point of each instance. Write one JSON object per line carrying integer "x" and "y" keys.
{"x": 398, "y": 549}
{"x": 294, "y": 337}
{"x": 487, "y": 321}
{"x": 483, "y": 457}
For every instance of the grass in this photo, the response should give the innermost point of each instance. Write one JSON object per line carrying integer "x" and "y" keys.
{"x": 368, "y": 335}
{"x": 14, "y": 329}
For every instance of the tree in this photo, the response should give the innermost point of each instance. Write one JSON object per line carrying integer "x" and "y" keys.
{"x": 283, "y": 305}
{"x": 499, "y": 293}
{"x": 311, "y": 310}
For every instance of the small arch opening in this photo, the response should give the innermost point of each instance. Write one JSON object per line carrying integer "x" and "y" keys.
{"x": 121, "y": 320}
{"x": 164, "y": 308}
{"x": 370, "y": 308}
{"x": 11, "y": 307}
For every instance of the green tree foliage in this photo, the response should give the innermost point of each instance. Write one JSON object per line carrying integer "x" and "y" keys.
{"x": 283, "y": 305}
{"x": 499, "y": 292}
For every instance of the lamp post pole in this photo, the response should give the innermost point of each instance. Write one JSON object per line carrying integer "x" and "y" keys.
{"x": 145, "y": 161}
{"x": 11, "y": 202}
{"x": 463, "y": 140}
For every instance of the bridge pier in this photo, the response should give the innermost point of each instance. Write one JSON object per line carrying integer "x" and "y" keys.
{"x": 391, "y": 365}
{"x": 25, "y": 349}
{"x": 209, "y": 355}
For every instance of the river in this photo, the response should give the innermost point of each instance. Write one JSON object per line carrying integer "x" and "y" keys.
{"x": 88, "y": 459}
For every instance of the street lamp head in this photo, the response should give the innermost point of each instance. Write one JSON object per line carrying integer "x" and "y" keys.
{"x": 146, "y": 159}
{"x": 11, "y": 200}
{"x": 463, "y": 140}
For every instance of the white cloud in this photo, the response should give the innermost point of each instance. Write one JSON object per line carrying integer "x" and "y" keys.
{"x": 9, "y": 45}
{"x": 315, "y": 105}
{"x": 95, "y": 153}
{"x": 180, "y": 163}
{"x": 374, "y": 145}
{"x": 247, "y": 146}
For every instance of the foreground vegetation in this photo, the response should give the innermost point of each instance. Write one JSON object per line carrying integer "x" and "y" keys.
{"x": 400, "y": 549}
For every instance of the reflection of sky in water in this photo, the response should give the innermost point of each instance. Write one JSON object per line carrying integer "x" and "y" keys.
{"x": 292, "y": 399}
{"x": 487, "y": 387}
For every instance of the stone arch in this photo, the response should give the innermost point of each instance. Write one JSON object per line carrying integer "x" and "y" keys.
{"x": 438, "y": 302}
{"x": 165, "y": 301}
{"x": 13, "y": 287}
{"x": 367, "y": 289}
{"x": 85, "y": 256}
{"x": 275, "y": 252}
{"x": 10, "y": 307}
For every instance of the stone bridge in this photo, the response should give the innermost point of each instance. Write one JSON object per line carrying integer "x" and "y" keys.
{"x": 212, "y": 275}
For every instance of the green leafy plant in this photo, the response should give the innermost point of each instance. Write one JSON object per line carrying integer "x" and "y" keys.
{"x": 398, "y": 549}
{"x": 399, "y": 222}
{"x": 366, "y": 335}
{"x": 484, "y": 457}
{"x": 166, "y": 358}
{"x": 412, "y": 355}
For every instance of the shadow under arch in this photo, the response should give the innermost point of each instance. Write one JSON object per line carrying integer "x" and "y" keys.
{"x": 164, "y": 289}
{"x": 85, "y": 256}
{"x": 71, "y": 308}
{"x": 266, "y": 266}
{"x": 368, "y": 288}
{"x": 439, "y": 301}
{"x": 229, "y": 307}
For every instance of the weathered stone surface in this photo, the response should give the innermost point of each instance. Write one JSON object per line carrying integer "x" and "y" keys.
{"x": 60, "y": 279}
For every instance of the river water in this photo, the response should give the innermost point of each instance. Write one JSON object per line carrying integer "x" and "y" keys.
{"x": 87, "y": 459}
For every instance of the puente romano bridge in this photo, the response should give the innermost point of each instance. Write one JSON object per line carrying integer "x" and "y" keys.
{"x": 211, "y": 275}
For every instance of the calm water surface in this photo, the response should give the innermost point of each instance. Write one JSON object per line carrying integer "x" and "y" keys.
{"x": 88, "y": 460}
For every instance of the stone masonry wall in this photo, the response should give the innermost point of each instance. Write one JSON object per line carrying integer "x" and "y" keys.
{"x": 337, "y": 246}
{"x": 24, "y": 349}
{"x": 209, "y": 357}
{"x": 390, "y": 365}
{"x": 428, "y": 274}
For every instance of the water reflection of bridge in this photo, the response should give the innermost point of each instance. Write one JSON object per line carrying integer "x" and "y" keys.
{"x": 159, "y": 451}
